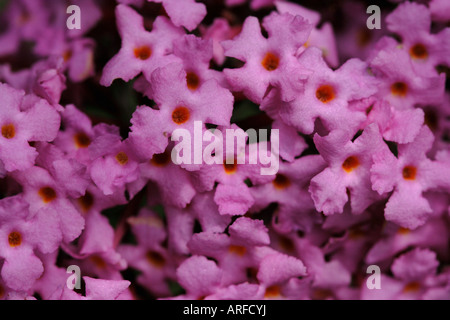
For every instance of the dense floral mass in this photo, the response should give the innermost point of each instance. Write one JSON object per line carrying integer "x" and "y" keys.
{"x": 88, "y": 118}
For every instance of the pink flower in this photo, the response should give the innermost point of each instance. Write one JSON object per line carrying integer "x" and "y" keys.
{"x": 24, "y": 118}
{"x": 412, "y": 22}
{"x": 348, "y": 174}
{"x": 408, "y": 176}
{"x": 326, "y": 95}
{"x": 114, "y": 163}
{"x": 400, "y": 83}
{"x": 272, "y": 61}
{"x": 196, "y": 54}
{"x": 20, "y": 236}
{"x": 48, "y": 201}
{"x": 141, "y": 51}
{"x": 178, "y": 107}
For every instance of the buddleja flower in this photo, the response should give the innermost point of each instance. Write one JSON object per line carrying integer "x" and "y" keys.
{"x": 348, "y": 174}
{"x": 179, "y": 107}
{"x": 141, "y": 51}
{"x": 48, "y": 199}
{"x": 408, "y": 176}
{"x": 23, "y": 119}
{"x": 114, "y": 163}
{"x": 401, "y": 85}
{"x": 326, "y": 95}
{"x": 20, "y": 236}
{"x": 412, "y": 22}
{"x": 273, "y": 60}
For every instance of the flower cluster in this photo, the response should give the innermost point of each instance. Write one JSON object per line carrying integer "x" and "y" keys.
{"x": 87, "y": 120}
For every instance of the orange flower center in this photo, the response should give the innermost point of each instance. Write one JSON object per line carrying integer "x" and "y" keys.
{"x": 14, "y": 239}
{"x": 181, "y": 115}
{"x": 325, "y": 93}
{"x": 399, "y": 89}
{"x": 122, "y": 158}
{"x": 409, "y": 173}
{"x": 411, "y": 287}
{"x": 230, "y": 168}
{"x": 82, "y": 140}
{"x": 193, "y": 81}
{"x": 237, "y": 250}
{"x": 156, "y": 259}
{"x": 270, "y": 61}
{"x": 281, "y": 181}
{"x": 98, "y": 261}
{"x": 8, "y": 131}
{"x": 419, "y": 51}
{"x": 67, "y": 55}
{"x": 403, "y": 231}
{"x": 350, "y": 164}
{"x": 47, "y": 194}
{"x": 272, "y": 292}
{"x": 143, "y": 52}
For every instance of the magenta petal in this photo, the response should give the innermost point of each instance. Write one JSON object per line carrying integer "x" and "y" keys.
{"x": 199, "y": 276}
{"x": 233, "y": 200}
{"x": 22, "y": 269}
